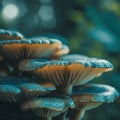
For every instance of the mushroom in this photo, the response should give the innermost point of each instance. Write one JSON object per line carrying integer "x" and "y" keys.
{"x": 64, "y": 49}
{"x": 91, "y": 96}
{"x": 15, "y": 89}
{"x": 16, "y": 50}
{"x": 10, "y": 35}
{"x": 47, "y": 108}
{"x": 9, "y": 93}
{"x": 32, "y": 90}
{"x": 66, "y": 73}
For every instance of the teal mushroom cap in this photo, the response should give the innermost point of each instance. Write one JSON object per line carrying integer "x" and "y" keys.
{"x": 95, "y": 93}
{"x": 15, "y": 89}
{"x": 91, "y": 96}
{"x": 46, "y": 108}
{"x": 10, "y": 35}
{"x": 64, "y": 73}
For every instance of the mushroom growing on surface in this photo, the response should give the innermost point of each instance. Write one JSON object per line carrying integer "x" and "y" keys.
{"x": 91, "y": 96}
{"x": 38, "y": 76}
{"x": 66, "y": 73}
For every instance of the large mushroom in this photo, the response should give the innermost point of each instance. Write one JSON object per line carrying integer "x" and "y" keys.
{"x": 16, "y": 50}
{"x": 66, "y": 73}
{"x": 47, "y": 108}
{"x": 91, "y": 96}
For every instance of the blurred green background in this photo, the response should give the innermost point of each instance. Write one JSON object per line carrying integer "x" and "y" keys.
{"x": 92, "y": 28}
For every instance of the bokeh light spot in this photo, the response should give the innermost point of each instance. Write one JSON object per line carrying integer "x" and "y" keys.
{"x": 10, "y": 12}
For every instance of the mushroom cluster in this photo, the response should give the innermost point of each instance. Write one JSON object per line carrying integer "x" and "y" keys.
{"x": 37, "y": 74}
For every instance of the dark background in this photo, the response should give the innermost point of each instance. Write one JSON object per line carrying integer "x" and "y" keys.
{"x": 92, "y": 28}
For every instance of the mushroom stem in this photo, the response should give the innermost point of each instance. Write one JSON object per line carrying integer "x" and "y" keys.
{"x": 68, "y": 89}
{"x": 78, "y": 114}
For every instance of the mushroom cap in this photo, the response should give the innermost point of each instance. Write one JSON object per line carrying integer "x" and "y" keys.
{"x": 30, "y": 90}
{"x": 52, "y": 36}
{"x": 9, "y": 87}
{"x": 74, "y": 57}
{"x": 20, "y": 49}
{"x": 9, "y": 35}
{"x": 66, "y": 72}
{"x": 94, "y": 93}
{"x": 46, "y": 107}
{"x": 59, "y": 37}
{"x": 90, "y": 96}
{"x": 9, "y": 93}
{"x": 64, "y": 49}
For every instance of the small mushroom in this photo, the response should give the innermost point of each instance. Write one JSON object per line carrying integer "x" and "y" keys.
{"x": 47, "y": 108}
{"x": 10, "y": 35}
{"x": 32, "y": 90}
{"x": 9, "y": 93}
{"x": 16, "y": 50}
{"x": 91, "y": 96}
{"x": 66, "y": 73}
{"x": 64, "y": 49}
{"x": 15, "y": 89}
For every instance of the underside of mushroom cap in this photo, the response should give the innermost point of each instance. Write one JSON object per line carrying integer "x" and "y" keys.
{"x": 9, "y": 35}
{"x": 33, "y": 90}
{"x": 66, "y": 72}
{"x": 20, "y": 49}
{"x": 9, "y": 93}
{"x": 9, "y": 90}
{"x": 16, "y": 89}
{"x": 94, "y": 93}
